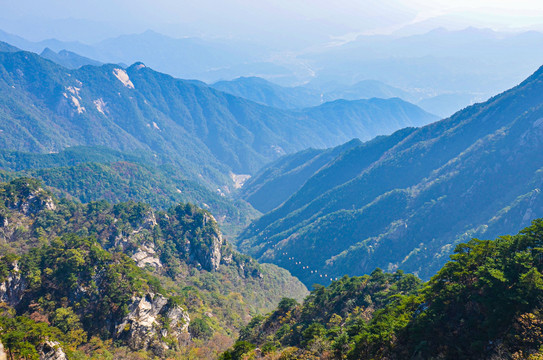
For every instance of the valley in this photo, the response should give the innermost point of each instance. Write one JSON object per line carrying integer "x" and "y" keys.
{"x": 405, "y": 201}
{"x": 353, "y": 195}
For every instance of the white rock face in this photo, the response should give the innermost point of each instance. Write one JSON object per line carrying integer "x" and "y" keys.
{"x": 74, "y": 91}
{"x": 3, "y": 355}
{"x": 51, "y": 350}
{"x": 75, "y": 98}
{"x": 239, "y": 179}
{"x": 80, "y": 109}
{"x": 123, "y": 77}
{"x": 12, "y": 289}
{"x": 100, "y": 105}
{"x": 141, "y": 327}
{"x": 146, "y": 255}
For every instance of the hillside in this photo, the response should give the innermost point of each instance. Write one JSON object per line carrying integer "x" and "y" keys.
{"x": 369, "y": 118}
{"x": 161, "y": 283}
{"x": 207, "y": 134}
{"x": 405, "y": 201}
{"x": 96, "y": 173}
{"x": 286, "y": 175}
{"x": 5, "y": 47}
{"x": 485, "y": 303}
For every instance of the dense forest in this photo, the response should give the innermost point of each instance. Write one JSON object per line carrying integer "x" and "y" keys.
{"x": 123, "y": 280}
{"x": 485, "y": 303}
{"x": 97, "y": 173}
{"x": 403, "y": 201}
{"x": 131, "y": 203}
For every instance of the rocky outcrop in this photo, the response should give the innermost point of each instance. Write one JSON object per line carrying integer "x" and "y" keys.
{"x": 152, "y": 318}
{"x": 35, "y": 202}
{"x": 209, "y": 256}
{"x": 51, "y": 350}
{"x": 203, "y": 245}
{"x": 13, "y": 287}
{"x": 150, "y": 221}
{"x": 215, "y": 257}
{"x": 3, "y": 355}
{"x": 146, "y": 255}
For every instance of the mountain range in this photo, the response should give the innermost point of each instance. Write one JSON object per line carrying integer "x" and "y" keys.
{"x": 206, "y": 133}
{"x": 404, "y": 201}
{"x": 457, "y": 68}
{"x": 160, "y": 51}
{"x": 480, "y": 60}
{"x": 68, "y": 59}
{"x": 268, "y": 93}
{"x": 265, "y": 92}
{"x": 115, "y": 181}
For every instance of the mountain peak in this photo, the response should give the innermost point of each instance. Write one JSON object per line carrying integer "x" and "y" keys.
{"x": 137, "y": 65}
{"x": 47, "y": 51}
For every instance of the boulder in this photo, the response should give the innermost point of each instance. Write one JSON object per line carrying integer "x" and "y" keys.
{"x": 51, "y": 350}
{"x": 152, "y": 318}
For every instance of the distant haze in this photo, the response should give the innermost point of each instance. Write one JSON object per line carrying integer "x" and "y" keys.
{"x": 280, "y": 22}
{"x": 440, "y": 54}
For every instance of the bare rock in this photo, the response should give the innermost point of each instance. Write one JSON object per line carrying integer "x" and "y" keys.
{"x": 144, "y": 327}
{"x": 13, "y": 287}
{"x": 210, "y": 258}
{"x": 146, "y": 255}
{"x": 35, "y": 202}
{"x": 3, "y": 355}
{"x": 51, "y": 350}
{"x": 150, "y": 221}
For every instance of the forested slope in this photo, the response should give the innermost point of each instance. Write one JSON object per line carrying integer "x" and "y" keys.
{"x": 485, "y": 303}
{"x": 404, "y": 201}
{"x": 99, "y": 278}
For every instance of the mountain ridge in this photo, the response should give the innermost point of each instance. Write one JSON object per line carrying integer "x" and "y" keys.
{"x": 371, "y": 218}
{"x": 68, "y": 59}
{"x": 484, "y": 303}
{"x": 197, "y": 126}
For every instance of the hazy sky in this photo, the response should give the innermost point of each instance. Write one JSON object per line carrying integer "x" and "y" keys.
{"x": 258, "y": 19}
